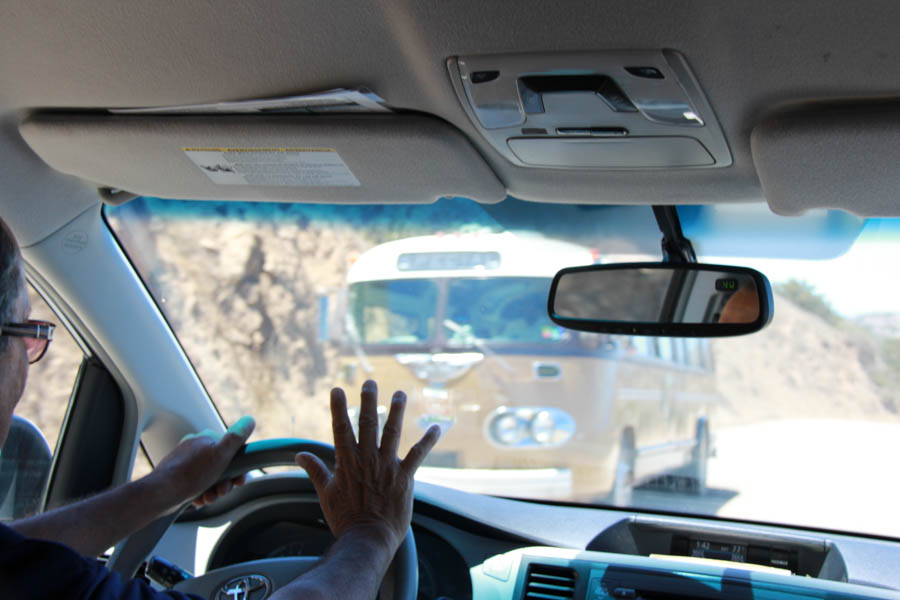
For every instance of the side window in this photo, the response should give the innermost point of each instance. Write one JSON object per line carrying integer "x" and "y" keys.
{"x": 638, "y": 346}
{"x": 142, "y": 465}
{"x": 666, "y": 349}
{"x": 51, "y": 379}
{"x": 694, "y": 353}
{"x": 42, "y": 408}
{"x": 706, "y": 355}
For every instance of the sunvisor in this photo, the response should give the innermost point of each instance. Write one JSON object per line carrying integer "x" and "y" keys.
{"x": 845, "y": 157}
{"x": 331, "y": 159}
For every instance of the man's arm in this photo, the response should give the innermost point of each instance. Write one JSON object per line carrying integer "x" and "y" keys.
{"x": 367, "y": 501}
{"x": 92, "y": 525}
{"x": 353, "y": 568}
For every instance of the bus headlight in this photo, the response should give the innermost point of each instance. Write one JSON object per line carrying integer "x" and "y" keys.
{"x": 529, "y": 427}
{"x": 508, "y": 429}
{"x": 543, "y": 426}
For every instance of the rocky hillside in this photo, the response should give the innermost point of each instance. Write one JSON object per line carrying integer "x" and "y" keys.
{"x": 800, "y": 366}
{"x": 881, "y": 324}
{"x": 244, "y": 300}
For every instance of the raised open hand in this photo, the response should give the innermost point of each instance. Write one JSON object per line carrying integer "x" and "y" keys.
{"x": 371, "y": 490}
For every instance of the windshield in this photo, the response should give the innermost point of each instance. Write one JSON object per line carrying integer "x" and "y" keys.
{"x": 504, "y": 310}
{"x": 501, "y": 311}
{"x": 276, "y": 303}
{"x": 394, "y": 312}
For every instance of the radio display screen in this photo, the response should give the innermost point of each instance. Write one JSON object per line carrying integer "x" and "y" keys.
{"x": 717, "y": 550}
{"x": 779, "y": 558}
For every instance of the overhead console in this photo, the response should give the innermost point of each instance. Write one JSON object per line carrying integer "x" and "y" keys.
{"x": 591, "y": 110}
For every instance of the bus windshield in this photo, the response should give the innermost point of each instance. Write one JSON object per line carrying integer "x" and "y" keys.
{"x": 394, "y": 312}
{"x": 501, "y": 310}
{"x": 496, "y": 310}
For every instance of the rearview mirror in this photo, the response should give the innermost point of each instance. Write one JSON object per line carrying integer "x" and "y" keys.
{"x": 662, "y": 299}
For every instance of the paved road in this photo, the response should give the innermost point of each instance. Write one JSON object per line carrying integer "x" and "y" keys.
{"x": 819, "y": 473}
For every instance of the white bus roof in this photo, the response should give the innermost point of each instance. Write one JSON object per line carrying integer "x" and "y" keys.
{"x": 433, "y": 256}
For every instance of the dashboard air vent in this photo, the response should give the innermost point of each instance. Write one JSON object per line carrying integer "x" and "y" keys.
{"x": 546, "y": 582}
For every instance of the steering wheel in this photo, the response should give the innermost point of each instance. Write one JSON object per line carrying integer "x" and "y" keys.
{"x": 400, "y": 582}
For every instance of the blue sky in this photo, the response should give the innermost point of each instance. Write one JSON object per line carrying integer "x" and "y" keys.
{"x": 866, "y": 279}
{"x": 863, "y": 278}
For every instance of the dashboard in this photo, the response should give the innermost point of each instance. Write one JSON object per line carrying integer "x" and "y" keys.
{"x": 487, "y": 548}
{"x": 558, "y": 574}
{"x": 280, "y": 530}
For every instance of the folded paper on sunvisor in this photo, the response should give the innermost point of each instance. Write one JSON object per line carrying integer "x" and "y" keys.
{"x": 336, "y": 159}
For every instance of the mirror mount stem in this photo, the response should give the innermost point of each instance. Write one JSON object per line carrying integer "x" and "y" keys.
{"x": 675, "y": 247}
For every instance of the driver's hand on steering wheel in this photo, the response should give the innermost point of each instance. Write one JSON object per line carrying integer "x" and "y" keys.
{"x": 371, "y": 491}
{"x": 191, "y": 470}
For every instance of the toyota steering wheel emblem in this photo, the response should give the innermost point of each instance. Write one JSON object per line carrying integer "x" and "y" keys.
{"x": 247, "y": 587}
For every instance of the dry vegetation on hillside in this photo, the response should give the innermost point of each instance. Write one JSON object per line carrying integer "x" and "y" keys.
{"x": 799, "y": 367}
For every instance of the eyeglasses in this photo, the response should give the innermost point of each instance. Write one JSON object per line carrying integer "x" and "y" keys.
{"x": 37, "y": 335}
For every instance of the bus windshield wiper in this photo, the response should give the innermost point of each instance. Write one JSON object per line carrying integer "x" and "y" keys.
{"x": 356, "y": 342}
{"x": 477, "y": 342}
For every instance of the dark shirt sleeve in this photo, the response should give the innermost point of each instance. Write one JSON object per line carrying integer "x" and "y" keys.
{"x": 39, "y": 569}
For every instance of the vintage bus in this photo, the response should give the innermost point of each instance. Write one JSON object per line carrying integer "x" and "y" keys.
{"x": 459, "y": 322}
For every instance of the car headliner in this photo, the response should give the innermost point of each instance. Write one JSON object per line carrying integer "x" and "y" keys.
{"x": 752, "y": 59}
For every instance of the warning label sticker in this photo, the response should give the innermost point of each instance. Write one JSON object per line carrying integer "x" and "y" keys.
{"x": 273, "y": 166}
